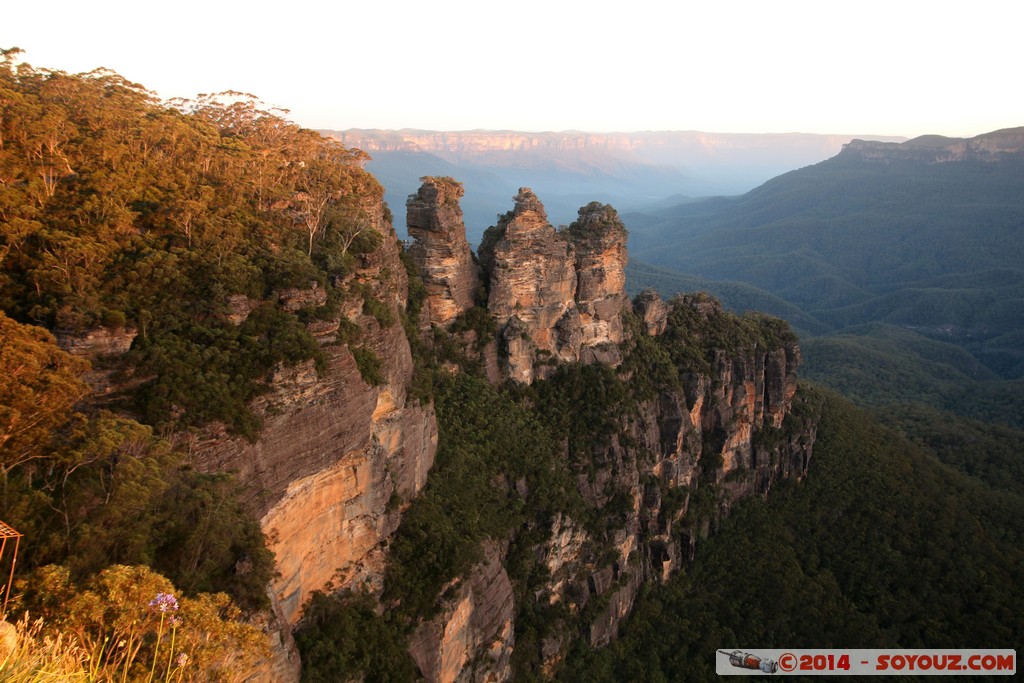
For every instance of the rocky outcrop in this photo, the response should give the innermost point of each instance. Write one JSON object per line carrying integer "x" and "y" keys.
{"x": 337, "y": 458}
{"x": 473, "y": 637}
{"x": 652, "y": 310}
{"x": 556, "y": 296}
{"x": 678, "y": 463}
{"x": 532, "y": 275}
{"x": 98, "y": 342}
{"x": 441, "y": 251}
{"x": 599, "y": 239}
{"x": 102, "y": 347}
{"x": 293, "y": 299}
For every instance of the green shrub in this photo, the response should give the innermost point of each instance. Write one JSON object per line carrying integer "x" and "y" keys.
{"x": 371, "y": 368}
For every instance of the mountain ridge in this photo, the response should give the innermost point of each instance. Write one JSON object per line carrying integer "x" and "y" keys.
{"x": 923, "y": 235}
{"x": 570, "y": 168}
{"x": 990, "y": 147}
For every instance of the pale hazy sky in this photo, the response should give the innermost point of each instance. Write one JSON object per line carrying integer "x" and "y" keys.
{"x": 897, "y": 67}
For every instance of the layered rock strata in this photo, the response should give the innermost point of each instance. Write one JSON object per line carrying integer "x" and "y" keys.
{"x": 336, "y": 457}
{"x": 473, "y": 637}
{"x": 532, "y": 277}
{"x": 440, "y": 250}
{"x": 674, "y": 466}
{"x": 599, "y": 239}
{"x": 679, "y": 462}
{"x": 102, "y": 347}
{"x": 557, "y": 296}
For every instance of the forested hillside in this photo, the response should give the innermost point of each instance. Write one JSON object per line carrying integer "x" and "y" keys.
{"x": 931, "y": 246}
{"x": 898, "y": 264}
{"x": 133, "y": 232}
{"x": 903, "y": 276}
{"x": 881, "y": 546}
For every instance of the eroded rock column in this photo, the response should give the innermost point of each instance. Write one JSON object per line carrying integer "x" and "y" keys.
{"x": 440, "y": 250}
{"x": 532, "y": 274}
{"x": 599, "y": 239}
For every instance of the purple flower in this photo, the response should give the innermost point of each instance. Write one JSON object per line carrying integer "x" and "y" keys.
{"x": 164, "y": 602}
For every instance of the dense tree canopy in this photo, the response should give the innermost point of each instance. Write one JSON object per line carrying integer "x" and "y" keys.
{"x": 120, "y": 211}
{"x": 39, "y": 387}
{"x": 124, "y": 216}
{"x": 881, "y": 546}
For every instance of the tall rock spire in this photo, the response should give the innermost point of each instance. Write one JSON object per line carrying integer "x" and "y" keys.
{"x": 531, "y": 270}
{"x": 556, "y": 296}
{"x": 599, "y": 240}
{"x": 440, "y": 250}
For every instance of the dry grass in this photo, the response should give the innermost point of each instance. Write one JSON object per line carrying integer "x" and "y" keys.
{"x": 37, "y": 657}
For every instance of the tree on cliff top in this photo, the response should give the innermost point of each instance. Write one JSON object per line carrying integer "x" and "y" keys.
{"x": 115, "y": 206}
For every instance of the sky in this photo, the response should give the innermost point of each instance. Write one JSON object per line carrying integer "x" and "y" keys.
{"x": 893, "y": 67}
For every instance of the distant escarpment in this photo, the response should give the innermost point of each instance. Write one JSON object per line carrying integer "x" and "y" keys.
{"x": 623, "y": 169}
{"x": 654, "y": 146}
{"x": 990, "y": 147}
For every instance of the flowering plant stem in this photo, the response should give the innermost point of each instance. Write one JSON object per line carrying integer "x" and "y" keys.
{"x": 156, "y": 648}
{"x": 170, "y": 654}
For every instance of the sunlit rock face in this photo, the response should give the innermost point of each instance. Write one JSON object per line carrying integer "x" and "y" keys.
{"x": 599, "y": 239}
{"x": 719, "y": 431}
{"x": 532, "y": 275}
{"x": 556, "y": 295}
{"x": 471, "y": 640}
{"x": 652, "y": 311}
{"x": 337, "y": 459}
{"x": 95, "y": 345}
{"x": 440, "y": 250}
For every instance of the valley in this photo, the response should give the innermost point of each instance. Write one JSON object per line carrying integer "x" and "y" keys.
{"x": 569, "y": 169}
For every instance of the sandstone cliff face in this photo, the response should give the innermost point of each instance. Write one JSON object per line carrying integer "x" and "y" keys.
{"x": 599, "y": 239}
{"x": 98, "y": 342}
{"x": 97, "y": 345}
{"x": 652, "y": 311}
{"x": 678, "y": 464}
{"x": 556, "y": 296}
{"x": 531, "y": 269}
{"x": 440, "y": 250}
{"x": 336, "y": 457}
{"x": 473, "y": 637}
